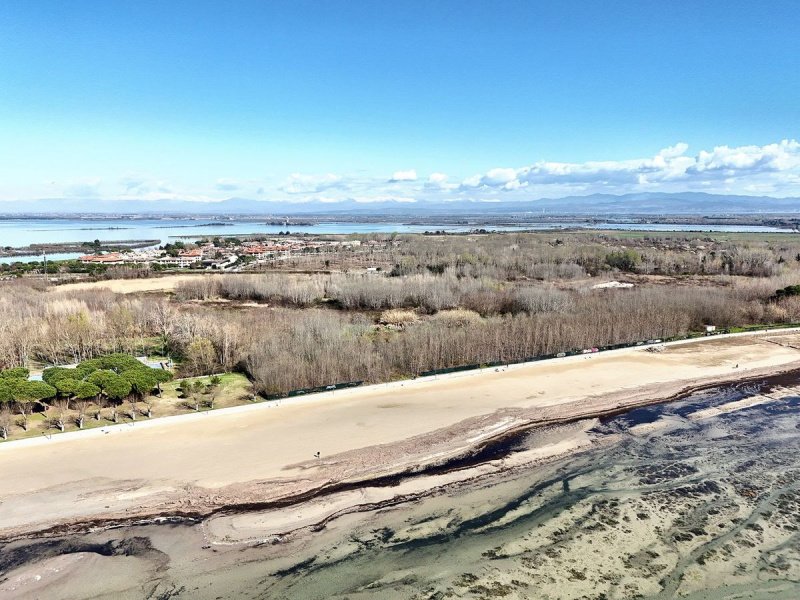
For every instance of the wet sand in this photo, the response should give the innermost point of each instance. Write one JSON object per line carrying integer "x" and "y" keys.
{"x": 264, "y": 454}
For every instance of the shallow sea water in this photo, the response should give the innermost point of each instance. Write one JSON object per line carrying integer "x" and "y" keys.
{"x": 660, "y": 506}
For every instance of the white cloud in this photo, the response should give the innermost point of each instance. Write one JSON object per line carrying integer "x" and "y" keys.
{"x": 772, "y": 158}
{"x": 674, "y": 151}
{"x": 382, "y": 198}
{"x": 502, "y": 178}
{"x": 772, "y": 167}
{"x": 410, "y": 175}
{"x": 440, "y": 181}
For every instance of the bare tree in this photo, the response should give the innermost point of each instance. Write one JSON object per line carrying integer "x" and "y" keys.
{"x": 61, "y": 407}
{"x": 6, "y": 420}
{"x": 197, "y": 388}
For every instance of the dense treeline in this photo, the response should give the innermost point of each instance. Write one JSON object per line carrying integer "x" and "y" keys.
{"x": 18, "y": 392}
{"x": 284, "y": 348}
{"x": 573, "y": 255}
{"x": 69, "y": 327}
{"x": 563, "y": 255}
{"x": 95, "y": 384}
{"x": 329, "y": 346}
{"x": 103, "y": 381}
{"x": 431, "y": 293}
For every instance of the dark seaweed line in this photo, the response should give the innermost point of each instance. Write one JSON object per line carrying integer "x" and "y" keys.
{"x": 497, "y": 447}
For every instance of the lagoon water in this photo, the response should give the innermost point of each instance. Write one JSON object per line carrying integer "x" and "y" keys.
{"x": 660, "y": 506}
{"x": 22, "y": 232}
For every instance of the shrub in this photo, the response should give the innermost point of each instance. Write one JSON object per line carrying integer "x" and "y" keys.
{"x": 398, "y": 317}
{"x": 624, "y": 260}
{"x": 787, "y": 292}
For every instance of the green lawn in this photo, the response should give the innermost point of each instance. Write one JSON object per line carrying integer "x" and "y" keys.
{"x": 234, "y": 389}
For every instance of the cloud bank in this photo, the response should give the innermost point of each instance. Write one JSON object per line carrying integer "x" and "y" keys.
{"x": 410, "y": 175}
{"x": 771, "y": 169}
{"x": 774, "y": 167}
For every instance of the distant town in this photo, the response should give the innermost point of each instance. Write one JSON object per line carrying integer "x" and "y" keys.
{"x": 221, "y": 254}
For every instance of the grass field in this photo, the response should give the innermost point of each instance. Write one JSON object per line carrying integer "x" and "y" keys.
{"x": 234, "y": 389}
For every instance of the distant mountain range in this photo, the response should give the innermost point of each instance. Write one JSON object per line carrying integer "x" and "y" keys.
{"x": 688, "y": 203}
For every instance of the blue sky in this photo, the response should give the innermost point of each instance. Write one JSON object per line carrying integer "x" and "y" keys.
{"x": 331, "y": 100}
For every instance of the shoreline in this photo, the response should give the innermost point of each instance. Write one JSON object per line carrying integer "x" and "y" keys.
{"x": 474, "y": 463}
{"x": 364, "y": 389}
{"x": 392, "y": 489}
{"x": 72, "y": 247}
{"x": 261, "y": 458}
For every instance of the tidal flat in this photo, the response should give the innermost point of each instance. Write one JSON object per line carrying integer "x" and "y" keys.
{"x": 671, "y": 500}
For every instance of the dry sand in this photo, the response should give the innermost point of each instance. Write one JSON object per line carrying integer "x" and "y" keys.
{"x": 265, "y": 452}
{"x": 131, "y": 286}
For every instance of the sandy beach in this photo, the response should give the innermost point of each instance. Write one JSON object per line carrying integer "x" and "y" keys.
{"x": 266, "y": 453}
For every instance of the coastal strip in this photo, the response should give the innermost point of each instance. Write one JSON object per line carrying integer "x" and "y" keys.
{"x": 262, "y": 454}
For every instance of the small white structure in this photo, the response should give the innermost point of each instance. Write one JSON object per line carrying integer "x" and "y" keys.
{"x": 611, "y": 285}
{"x": 711, "y": 328}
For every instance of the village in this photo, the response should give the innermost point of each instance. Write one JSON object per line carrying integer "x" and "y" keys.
{"x": 223, "y": 254}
